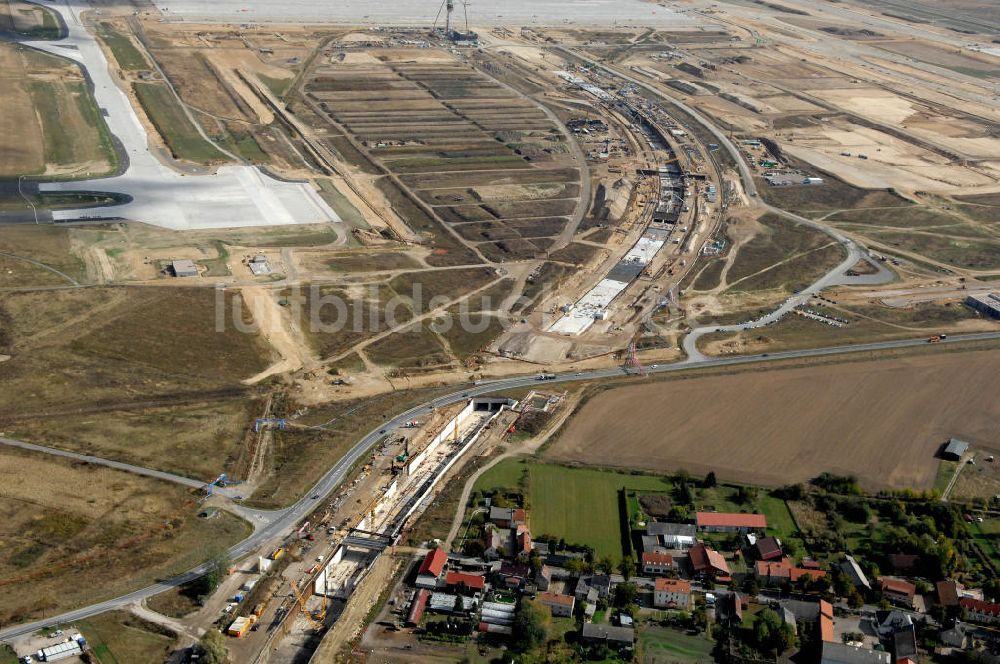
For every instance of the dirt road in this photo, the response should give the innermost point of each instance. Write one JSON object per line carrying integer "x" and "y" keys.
{"x": 277, "y": 329}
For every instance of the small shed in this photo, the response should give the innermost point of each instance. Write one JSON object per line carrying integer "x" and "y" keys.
{"x": 955, "y": 449}
{"x": 184, "y": 268}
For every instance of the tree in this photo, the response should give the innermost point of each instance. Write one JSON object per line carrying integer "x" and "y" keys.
{"x": 213, "y": 648}
{"x": 627, "y": 567}
{"x": 606, "y": 564}
{"x": 746, "y": 495}
{"x": 625, "y": 594}
{"x": 710, "y": 480}
{"x": 992, "y": 589}
{"x": 770, "y": 633}
{"x": 218, "y": 569}
{"x": 530, "y": 630}
{"x": 679, "y": 514}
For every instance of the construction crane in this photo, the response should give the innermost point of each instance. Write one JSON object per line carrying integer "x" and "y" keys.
{"x": 449, "y": 6}
{"x": 320, "y": 614}
{"x": 300, "y": 602}
{"x": 631, "y": 356}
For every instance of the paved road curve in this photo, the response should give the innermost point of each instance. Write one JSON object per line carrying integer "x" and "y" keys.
{"x": 285, "y": 521}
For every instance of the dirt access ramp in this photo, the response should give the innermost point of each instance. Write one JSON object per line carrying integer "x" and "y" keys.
{"x": 882, "y": 421}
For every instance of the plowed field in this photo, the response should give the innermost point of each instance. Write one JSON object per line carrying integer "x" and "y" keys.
{"x": 882, "y": 421}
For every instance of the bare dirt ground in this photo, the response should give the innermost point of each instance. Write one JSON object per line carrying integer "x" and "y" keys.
{"x": 61, "y": 517}
{"x": 882, "y": 421}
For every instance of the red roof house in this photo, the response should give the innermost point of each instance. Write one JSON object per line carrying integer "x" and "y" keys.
{"x": 430, "y": 570}
{"x": 471, "y": 581}
{"x": 707, "y": 561}
{"x": 729, "y": 522}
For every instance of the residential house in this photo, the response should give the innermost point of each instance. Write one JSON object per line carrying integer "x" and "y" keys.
{"x": 457, "y": 580}
{"x": 950, "y": 591}
{"x": 619, "y": 638}
{"x": 672, "y": 594}
{"x": 494, "y": 542}
{"x": 852, "y": 569}
{"x": 598, "y": 586}
{"x": 508, "y": 517}
{"x": 543, "y": 577}
{"x": 430, "y": 569}
{"x": 804, "y": 611}
{"x": 767, "y": 548}
{"x": 835, "y": 652}
{"x": 673, "y": 535}
{"x": 955, "y": 636}
{"x": 560, "y": 605}
{"x": 826, "y": 632}
{"x": 652, "y": 544}
{"x": 522, "y": 540}
{"x": 897, "y": 591}
{"x": 730, "y": 522}
{"x": 778, "y": 571}
{"x": 729, "y": 608}
{"x": 904, "y": 645}
{"x": 514, "y": 575}
{"x": 986, "y": 613}
{"x": 657, "y": 563}
{"x": 706, "y": 561}
{"x": 888, "y": 623}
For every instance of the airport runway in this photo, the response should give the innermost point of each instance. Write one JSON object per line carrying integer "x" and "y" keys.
{"x": 234, "y": 196}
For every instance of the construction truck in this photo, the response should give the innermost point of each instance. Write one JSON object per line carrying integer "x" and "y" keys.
{"x": 934, "y": 339}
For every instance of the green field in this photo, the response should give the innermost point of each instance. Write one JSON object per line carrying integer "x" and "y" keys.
{"x": 7, "y": 655}
{"x": 668, "y": 646}
{"x": 578, "y": 504}
{"x": 582, "y": 505}
{"x": 120, "y": 638}
{"x": 73, "y": 129}
{"x": 177, "y": 131}
{"x": 128, "y": 56}
{"x": 987, "y": 536}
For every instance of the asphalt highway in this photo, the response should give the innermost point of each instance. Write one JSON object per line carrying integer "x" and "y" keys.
{"x": 285, "y": 521}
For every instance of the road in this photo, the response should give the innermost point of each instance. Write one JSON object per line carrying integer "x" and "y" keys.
{"x": 836, "y": 277}
{"x": 117, "y": 465}
{"x": 285, "y": 521}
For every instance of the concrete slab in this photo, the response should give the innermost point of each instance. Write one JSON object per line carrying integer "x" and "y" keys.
{"x": 423, "y": 12}
{"x": 234, "y": 196}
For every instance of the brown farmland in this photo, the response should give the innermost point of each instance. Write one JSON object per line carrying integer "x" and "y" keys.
{"x": 882, "y": 421}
